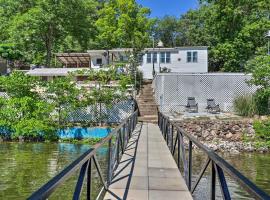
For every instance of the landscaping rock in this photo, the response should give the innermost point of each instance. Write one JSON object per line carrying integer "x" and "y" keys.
{"x": 223, "y": 135}
{"x": 262, "y": 149}
{"x": 229, "y": 135}
{"x": 205, "y": 133}
{"x": 250, "y": 131}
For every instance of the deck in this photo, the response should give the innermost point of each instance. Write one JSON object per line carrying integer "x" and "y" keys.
{"x": 147, "y": 169}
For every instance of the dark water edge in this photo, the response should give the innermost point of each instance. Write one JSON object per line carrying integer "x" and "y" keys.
{"x": 24, "y": 167}
{"x": 255, "y": 166}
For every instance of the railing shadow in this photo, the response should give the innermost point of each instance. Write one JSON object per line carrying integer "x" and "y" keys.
{"x": 116, "y": 142}
{"x": 126, "y": 171}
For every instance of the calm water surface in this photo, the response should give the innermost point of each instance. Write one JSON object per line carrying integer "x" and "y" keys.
{"x": 254, "y": 166}
{"x": 27, "y": 166}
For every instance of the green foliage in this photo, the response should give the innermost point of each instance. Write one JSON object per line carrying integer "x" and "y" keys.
{"x": 39, "y": 27}
{"x": 33, "y": 114}
{"x": 262, "y": 97}
{"x": 123, "y": 23}
{"x": 19, "y": 85}
{"x": 90, "y": 141}
{"x": 9, "y": 52}
{"x": 167, "y": 31}
{"x": 259, "y": 66}
{"x": 64, "y": 96}
{"x": 233, "y": 30}
{"x": 262, "y": 129}
{"x": 34, "y": 128}
{"x": 245, "y": 105}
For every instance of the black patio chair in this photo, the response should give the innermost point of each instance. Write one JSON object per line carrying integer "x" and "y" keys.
{"x": 192, "y": 106}
{"x": 212, "y": 107}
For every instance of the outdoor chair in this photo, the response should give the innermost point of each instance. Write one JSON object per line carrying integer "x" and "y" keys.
{"x": 212, "y": 107}
{"x": 192, "y": 106}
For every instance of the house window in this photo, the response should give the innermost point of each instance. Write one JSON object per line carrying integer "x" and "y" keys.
{"x": 155, "y": 57}
{"x": 192, "y": 56}
{"x": 195, "y": 56}
{"x": 149, "y": 58}
{"x": 99, "y": 61}
{"x": 168, "y": 57}
{"x": 162, "y": 57}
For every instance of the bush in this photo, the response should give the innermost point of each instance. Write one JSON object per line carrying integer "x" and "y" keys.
{"x": 34, "y": 129}
{"x": 261, "y": 98}
{"x": 262, "y": 129}
{"x": 245, "y": 105}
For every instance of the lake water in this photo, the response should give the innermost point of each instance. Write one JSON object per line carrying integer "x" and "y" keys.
{"x": 255, "y": 166}
{"x": 27, "y": 166}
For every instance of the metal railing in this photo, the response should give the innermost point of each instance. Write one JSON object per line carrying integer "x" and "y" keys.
{"x": 85, "y": 162}
{"x": 218, "y": 165}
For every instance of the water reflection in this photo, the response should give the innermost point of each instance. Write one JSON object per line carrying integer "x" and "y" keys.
{"x": 254, "y": 166}
{"x": 27, "y": 166}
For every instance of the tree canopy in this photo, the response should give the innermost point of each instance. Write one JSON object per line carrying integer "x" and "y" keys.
{"x": 233, "y": 30}
{"x": 39, "y": 28}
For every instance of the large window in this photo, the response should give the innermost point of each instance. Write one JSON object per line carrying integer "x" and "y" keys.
{"x": 195, "y": 56}
{"x": 165, "y": 57}
{"x": 149, "y": 58}
{"x": 192, "y": 56}
{"x": 162, "y": 57}
{"x": 168, "y": 57}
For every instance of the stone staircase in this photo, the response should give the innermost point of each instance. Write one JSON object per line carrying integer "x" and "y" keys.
{"x": 146, "y": 103}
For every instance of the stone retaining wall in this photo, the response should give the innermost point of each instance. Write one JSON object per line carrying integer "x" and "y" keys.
{"x": 223, "y": 135}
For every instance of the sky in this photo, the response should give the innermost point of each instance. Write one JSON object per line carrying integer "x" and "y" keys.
{"x": 161, "y": 8}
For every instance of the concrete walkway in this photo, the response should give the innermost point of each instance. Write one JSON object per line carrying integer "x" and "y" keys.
{"x": 147, "y": 169}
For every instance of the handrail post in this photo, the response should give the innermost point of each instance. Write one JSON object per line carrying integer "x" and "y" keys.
{"x": 89, "y": 179}
{"x": 172, "y": 128}
{"x": 189, "y": 165}
{"x": 213, "y": 181}
{"x": 109, "y": 174}
{"x": 179, "y": 149}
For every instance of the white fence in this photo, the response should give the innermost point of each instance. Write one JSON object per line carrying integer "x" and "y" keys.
{"x": 173, "y": 89}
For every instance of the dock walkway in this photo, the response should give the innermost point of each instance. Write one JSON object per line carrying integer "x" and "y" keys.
{"x": 147, "y": 169}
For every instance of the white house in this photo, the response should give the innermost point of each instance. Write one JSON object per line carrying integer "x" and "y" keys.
{"x": 178, "y": 59}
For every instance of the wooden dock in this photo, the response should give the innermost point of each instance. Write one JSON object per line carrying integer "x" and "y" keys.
{"x": 147, "y": 169}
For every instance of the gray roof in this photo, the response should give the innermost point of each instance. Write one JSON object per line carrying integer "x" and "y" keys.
{"x": 119, "y": 50}
{"x": 53, "y": 71}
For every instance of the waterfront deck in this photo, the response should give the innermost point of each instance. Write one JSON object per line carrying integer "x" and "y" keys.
{"x": 147, "y": 169}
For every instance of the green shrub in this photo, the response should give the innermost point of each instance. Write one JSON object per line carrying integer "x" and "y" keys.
{"x": 261, "y": 98}
{"x": 245, "y": 105}
{"x": 34, "y": 129}
{"x": 262, "y": 129}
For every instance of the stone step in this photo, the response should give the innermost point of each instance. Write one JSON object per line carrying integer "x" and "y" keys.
{"x": 149, "y": 119}
{"x": 144, "y": 113}
{"x": 151, "y": 101}
{"x": 147, "y": 105}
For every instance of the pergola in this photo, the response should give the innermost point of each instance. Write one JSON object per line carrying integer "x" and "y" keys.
{"x": 74, "y": 59}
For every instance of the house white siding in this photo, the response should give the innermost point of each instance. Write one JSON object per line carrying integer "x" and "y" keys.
{"x": 178, "y": 61}
{"x": 96, "y": 58}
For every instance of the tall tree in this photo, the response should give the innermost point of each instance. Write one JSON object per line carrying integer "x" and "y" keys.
{"x": 167, "y": 31}
{"x": 123, "y": 23}
{"x": 41, "y": 27}
{"x": 233, "y": 30}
